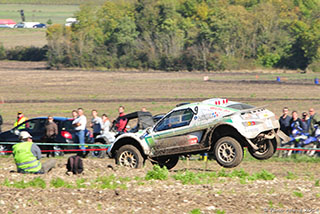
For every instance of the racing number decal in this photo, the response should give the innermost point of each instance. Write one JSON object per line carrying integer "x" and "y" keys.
{"x": 196, "y": 110}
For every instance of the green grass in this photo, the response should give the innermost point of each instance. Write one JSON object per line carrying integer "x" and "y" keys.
{"x": 291, "y": 176}
{"x": 50, "y": 2}
{"x": 298, "y": 194}
{"x": 12, "y": 37}
{"x": 188, "y": 177}
{"x": 39, "y": 13}
{"x": 22, "y": 184}
{"x": 157, "y": 173}
{"x": 195, "y": 211}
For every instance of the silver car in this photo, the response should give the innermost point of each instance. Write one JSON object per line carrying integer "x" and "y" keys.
{"x": 216, "y": 126}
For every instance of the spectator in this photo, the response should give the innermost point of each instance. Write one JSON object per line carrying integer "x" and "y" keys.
{"x": 74, "y": 114}
{"x": 304, "y": 120}
{"x": 285, "y": 121}
{"x": 121, "y": 123}
{"x": 295, "y": 123}
{"x": 313, "y": 120}
{"x": 27, "y": 155}
{"x": 105, "y": 130}
{"x": 1, "y": 122}
{"x": 96, "y": 123}
{"x": 20, "y": 119}
{"x": 80, "y": 125}
{"x": 51, "y": 130}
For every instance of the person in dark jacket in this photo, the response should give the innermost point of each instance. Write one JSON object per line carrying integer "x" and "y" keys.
{"x": 51, "y": 130}
{"x": 1, "y": 122}
{"x": 284, "y": 121}
{"x": 313, "y": 120}
{"x": 304, "y": 119}
{"x": 296, "y": 123}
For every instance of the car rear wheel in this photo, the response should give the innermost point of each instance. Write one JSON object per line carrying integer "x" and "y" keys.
{"x": 57, "y": 153}
{"x": 129, "y": 156}
{"x": 99, "y": 153}
{"x": 265, "y": 151}
{"x": 168, "y": 162}
{"x": 4, "y": 149}
{"x": 228, "y": 152}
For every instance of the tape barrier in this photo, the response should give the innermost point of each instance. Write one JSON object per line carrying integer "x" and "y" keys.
{"x": 57, "y": 144}
{"x": 62, "y": 144}
{"x": 108, "y": 145}
{"x": 298, "y": 149}
{"x": 64, "y": 150}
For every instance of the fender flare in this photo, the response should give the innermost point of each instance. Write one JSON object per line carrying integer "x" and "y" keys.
{"x": 129, "y": 139}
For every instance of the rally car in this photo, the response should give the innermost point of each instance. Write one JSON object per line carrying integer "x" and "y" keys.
{"x": 216, "y": 126}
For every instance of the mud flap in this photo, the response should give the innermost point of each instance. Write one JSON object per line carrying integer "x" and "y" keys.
{"x": 285, "y": 138}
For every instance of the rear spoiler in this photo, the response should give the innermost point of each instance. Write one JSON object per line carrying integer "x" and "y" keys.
{"x": 242, "y": 112}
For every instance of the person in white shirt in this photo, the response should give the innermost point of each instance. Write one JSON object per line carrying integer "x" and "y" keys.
{"x": 105, "y": 130}
{"x": 80, "y": 125}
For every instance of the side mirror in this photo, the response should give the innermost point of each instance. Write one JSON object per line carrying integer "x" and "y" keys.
{"x": 148, "y": 130}
{"x": 15, "y": 131}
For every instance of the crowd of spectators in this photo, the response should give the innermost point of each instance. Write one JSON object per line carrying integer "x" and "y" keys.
{"x": 305, "y": 125}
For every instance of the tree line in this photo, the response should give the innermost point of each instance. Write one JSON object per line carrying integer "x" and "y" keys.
{"x": 190, "y": 35}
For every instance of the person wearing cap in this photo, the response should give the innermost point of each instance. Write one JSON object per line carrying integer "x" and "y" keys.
{"x": 20, "y": 119}
{"x": 27, "y": 156}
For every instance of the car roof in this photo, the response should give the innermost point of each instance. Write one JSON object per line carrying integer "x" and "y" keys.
{"x": 214, "y": 101}
{"x": 55, "y": 118}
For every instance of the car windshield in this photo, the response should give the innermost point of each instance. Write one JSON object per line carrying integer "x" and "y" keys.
{"x": 240, "y": 106}
{"x": 175, "y": 119}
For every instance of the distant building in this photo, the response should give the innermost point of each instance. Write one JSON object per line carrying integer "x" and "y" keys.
{"x": 7, "y": 22}
{"x": 70, "y": 21}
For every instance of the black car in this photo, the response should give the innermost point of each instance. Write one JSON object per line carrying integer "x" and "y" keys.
{"x": 36, "y": 127}
{"x": 41, "y": 25}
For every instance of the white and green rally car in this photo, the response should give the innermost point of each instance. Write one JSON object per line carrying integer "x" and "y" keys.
{"x": 215, "y": 126}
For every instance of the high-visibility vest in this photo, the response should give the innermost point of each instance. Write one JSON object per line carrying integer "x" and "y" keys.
{"x": 19, "y": 121}
{"x": 25, "y": 160}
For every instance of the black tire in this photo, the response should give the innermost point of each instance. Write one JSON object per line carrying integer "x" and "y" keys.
{"x": 266, "y": 150}
{"x": 129, "y": 156}
{"x": 168, "y": 162}
{"x": 228, "y": 152}
{"x": 98, "y": 154}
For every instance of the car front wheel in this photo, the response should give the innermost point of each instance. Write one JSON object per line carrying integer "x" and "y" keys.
{"x": 228, "y": 152}
{"x": 129, "y": 156}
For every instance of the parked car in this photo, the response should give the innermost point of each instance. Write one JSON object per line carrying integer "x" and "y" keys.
{"x": 36, "y": 127}
{"x": 4, "y": 26}
{"x": 19, "y": 25}
{"x": 217, "y": 126}
{"x": 41, "y": 25}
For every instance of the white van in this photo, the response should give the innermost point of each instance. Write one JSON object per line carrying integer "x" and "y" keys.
{"x": 70, "y": 21}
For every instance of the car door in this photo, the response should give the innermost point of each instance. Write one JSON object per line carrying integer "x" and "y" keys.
{"x": 36, "y": 128}
{"x": 170, "y": 135}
